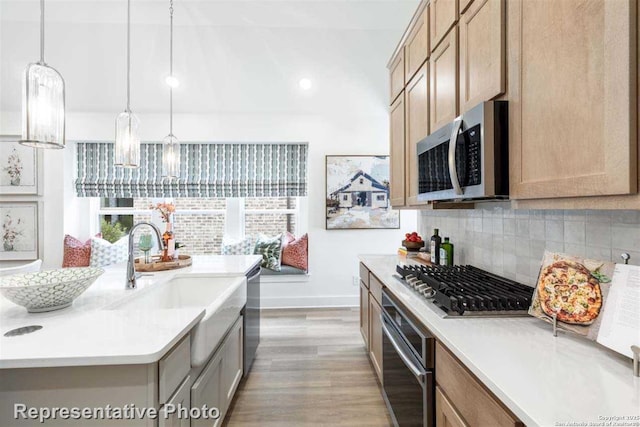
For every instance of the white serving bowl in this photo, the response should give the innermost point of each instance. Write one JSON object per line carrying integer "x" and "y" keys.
{"x": 48, "y": 290}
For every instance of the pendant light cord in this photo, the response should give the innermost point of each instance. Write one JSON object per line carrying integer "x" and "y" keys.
{"x": 171, "y": 66}
{"x": 42, "y": 31}
{"x": 129, "y": 55}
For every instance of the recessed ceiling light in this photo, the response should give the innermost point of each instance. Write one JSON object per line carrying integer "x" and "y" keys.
{"x": 305, "y": 84}
{"x": 172, "y": 81}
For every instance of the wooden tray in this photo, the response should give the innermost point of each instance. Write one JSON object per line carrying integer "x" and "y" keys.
{"x": 157, "y": 265}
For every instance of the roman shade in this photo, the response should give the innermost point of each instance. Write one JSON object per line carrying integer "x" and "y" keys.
{"x": 206, "y": 170}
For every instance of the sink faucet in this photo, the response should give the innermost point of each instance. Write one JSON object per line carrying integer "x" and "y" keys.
{"x": 131, "y": 270}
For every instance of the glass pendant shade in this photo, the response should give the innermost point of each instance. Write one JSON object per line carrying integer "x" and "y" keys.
{"x": 43, "y": 107}
{"x": 127, "y": 151}
{"x": 170, "y": 157}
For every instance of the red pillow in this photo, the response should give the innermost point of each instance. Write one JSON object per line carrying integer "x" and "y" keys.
{"x": 76, "y": 253}
{"x": 296, "y": 252}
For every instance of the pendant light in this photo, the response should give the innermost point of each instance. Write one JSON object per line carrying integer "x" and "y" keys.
{"x": 170, "y": 144}
{"x": 127, "y": 151}
{"x": 42, "y": 102}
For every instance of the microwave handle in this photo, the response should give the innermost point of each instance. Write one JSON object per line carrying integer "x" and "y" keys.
{"x": 453, "y": 172}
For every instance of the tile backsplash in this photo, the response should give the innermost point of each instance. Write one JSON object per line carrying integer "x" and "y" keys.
{"x": 511, "y": 242}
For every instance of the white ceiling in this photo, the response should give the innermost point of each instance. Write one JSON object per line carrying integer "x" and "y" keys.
{"x": 230, "y": 56}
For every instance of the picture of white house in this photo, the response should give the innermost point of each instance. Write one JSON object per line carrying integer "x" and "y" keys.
{"x": 362, "y": 190}
{"x": 358, "y": 193}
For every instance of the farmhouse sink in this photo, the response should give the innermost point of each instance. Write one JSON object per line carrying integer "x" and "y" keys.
{"x": 221, "y": 297}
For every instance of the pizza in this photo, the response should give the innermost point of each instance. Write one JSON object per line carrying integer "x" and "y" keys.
{"x": 568, "y": 289}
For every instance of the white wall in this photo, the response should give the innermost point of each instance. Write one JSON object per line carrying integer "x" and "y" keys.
{"x": 346, "y": 113}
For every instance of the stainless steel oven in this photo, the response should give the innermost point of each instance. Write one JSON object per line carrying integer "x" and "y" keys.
{"x": 408, "y": 364}
{"x": 468, "y": 158}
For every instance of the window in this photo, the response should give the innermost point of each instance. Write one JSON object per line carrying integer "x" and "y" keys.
{"x": 200, "y": 223}
{"x": 270, "y": 216}
{"x": 361, "y": 180}
{"x": 345, "y": 197}
{"x": 380, "y": 197}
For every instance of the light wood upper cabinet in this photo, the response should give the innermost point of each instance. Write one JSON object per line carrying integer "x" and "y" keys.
{"x": 397, "y": 72}
{"x": 446, "y": 414}
{"x": 482, "y": 52}
{"x": 397, "y": 149}
{"x": 572, "y": 91}
{"x": 443, "y": 80}
{"x": 443, "y": 15}
{"x": 416, "y": 50}
{"x": 417, "y": 127}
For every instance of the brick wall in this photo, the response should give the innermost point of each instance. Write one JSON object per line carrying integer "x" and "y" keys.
{"x": 202, "y": 233}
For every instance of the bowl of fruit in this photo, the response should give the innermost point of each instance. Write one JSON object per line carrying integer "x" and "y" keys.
{"x": 413, "y": 241}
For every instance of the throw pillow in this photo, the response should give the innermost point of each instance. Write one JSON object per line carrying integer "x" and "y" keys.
{"x": 76, "y": 253}
{"x": 236, "y": 247}
{"x": 296, "y": 253}
{"x": 271, "y": 250}
{"x": 104, "y": 253}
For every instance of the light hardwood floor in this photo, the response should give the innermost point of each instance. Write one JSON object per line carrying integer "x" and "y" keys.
{"x": 311, "y": 369}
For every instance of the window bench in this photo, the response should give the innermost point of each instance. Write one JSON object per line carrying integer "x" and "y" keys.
{"x": 287, "y": 274}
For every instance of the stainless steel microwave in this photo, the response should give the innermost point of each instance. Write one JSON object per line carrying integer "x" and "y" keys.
{"x": 475, "y": 166}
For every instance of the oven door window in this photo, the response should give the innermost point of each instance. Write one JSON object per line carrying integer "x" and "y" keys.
{"x": 410, "y": 398}
{"x": 433, "y": 164}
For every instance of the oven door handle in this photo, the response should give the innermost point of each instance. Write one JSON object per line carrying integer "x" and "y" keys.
{"x": 418, "y": 372}
{"x": 453, "y": 141}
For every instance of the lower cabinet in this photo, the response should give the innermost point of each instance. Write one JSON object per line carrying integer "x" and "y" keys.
{"x": 467, "y": 401}
{"x": 446, "y": 415}
{"x": 219, "y": 380}
{"x": 370, "y": 321}
{"x": 181, "y": 399}
{"x": 375, "y": 336}
{"x": 364, "y": 314}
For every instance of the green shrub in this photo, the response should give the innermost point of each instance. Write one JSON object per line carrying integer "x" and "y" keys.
{"x": 112, "y": 232}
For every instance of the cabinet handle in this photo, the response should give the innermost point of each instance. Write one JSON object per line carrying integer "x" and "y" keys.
{"x": 453, "y": 172}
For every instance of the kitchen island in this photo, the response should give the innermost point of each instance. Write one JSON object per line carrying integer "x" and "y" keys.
{"x": 541, "y": 379}
{"x": 117, "y": 346}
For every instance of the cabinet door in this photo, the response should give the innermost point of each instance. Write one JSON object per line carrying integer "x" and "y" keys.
{"x": 181, "y": 399}
{"x": 396, "y": 77}
{"x": 207, "y": 390}
{"x": 444, "y": 82}
{"x": 364, "y": 314}
{"x": 417, "y": 128}
{"x": 446, "y": 415}
{"x": 232, "y": 362}
{"x": 482, "y": 53}
{"x": 443, "y": 15}
{"x": 468, "y": 396}
{"x": 464, "y": 4}
{"x": 572, "y": 110}
{"x": 396, "y": 149}
{"x": 375, "y": 337}
{"x": 416, "y": 50}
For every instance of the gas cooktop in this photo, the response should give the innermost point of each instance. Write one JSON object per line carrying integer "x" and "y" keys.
{"x": 465, "y": 290}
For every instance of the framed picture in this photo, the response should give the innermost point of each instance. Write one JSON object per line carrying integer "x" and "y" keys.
{"x": 357, "y": 193}
{"x": 20, "y": 231}
{"x": 19, "y": 167}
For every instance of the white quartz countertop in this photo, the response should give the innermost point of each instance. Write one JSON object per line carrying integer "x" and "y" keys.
{"x": 90, "y": 332}
{"x": 544, "y": 380}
